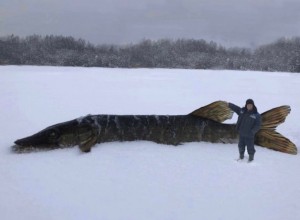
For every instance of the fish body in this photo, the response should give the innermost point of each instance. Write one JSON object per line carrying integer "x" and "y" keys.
{"x": 172, "y": 130}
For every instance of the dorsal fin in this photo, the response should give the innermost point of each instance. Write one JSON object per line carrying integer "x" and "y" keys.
{"x": 216, "y": 111}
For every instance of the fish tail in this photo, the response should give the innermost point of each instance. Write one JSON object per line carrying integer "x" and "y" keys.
{"x": 268, "y": 137}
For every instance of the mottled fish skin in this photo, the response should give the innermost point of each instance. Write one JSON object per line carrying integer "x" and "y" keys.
{"x": 164, "y": 129}
{"x": 89, "y": 130}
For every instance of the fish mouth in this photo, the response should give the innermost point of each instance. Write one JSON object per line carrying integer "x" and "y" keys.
{"x": 31, "y": 141}
{"x": 25, "y": 145}
{"x": 22, "y": 142}
{"x": 32, "y": 144}
{"x": 36, "y": 143}
{"x": 20, "y": 147}
{"x": 23, "y": 149}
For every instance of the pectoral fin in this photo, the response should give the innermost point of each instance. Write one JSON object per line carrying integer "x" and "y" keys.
{"x": 87, "y": 145}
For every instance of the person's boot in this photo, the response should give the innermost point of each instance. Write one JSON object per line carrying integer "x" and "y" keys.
{"x": 251, "y": 158}
{"x": 241, "y": 156}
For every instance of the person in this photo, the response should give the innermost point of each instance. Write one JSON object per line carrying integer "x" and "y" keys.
{"x": 248, "y": 123}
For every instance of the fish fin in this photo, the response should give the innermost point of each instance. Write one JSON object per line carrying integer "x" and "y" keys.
{"x": 216, "y": 111}
{"x": 272, "y": 118}
{"x": 87, "y": 145}
{"x": 274, "y": 140}
{"x": 268, "y": 137}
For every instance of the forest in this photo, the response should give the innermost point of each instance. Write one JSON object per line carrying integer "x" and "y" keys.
{"x": 282, "y": 55}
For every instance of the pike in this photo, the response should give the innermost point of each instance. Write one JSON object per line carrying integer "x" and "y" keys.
{"x": 203, "y": 124}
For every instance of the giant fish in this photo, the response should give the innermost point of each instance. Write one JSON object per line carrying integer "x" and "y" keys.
{"x": 204, "y": 124}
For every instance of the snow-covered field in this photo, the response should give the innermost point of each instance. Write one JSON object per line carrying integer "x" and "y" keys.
{"x": 142, "y": 180}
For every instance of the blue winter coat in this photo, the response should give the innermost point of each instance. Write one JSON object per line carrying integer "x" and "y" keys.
{"x": 248, "y": 122}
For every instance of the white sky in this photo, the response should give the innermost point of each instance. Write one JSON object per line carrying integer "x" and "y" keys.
{"x": 229, "y": 22}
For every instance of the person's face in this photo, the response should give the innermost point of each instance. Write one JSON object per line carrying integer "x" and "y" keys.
{"x": 249, "y": 107}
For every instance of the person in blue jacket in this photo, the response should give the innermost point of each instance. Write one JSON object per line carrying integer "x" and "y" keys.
{"x": 248, "y": 123}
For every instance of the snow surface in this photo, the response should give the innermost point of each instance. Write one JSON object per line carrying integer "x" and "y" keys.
{"x": 142, "y": 180}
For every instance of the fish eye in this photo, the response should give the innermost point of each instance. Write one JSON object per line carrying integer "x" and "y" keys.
{"x": 53, "y": 133}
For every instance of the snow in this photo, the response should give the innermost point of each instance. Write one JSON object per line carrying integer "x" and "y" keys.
{"x": 142, "y": 180}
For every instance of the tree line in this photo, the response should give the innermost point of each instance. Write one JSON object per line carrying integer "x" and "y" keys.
{"x": 281, "y": 55}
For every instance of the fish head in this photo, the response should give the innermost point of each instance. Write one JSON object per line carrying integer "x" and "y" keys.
{"x": 45, "y": 138}
{"x": 82, "y": 132}
{"x": 53, "y": 137}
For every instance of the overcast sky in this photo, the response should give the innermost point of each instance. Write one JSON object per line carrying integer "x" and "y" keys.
{"x": 229, "y": 22}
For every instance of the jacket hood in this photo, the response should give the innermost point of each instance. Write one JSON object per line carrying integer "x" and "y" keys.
{"x": 250, "y": 101}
